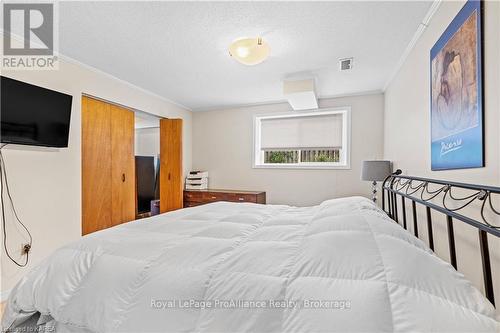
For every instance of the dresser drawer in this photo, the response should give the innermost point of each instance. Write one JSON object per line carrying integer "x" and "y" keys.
{"x": 193, "y": 196}
{"x": 239, "y": 197}
{"x": 193, "y": 203}
{"x": 214, "y": 196}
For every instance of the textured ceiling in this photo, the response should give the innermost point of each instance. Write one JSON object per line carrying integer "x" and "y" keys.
{"x": 179, "y": 49}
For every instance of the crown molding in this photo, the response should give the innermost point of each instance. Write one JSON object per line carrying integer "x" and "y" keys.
{"x": 126, "y": 83}
{"x": 416, "y": 36}
{"x": 238, "y": 106}
{"x": 284, "y": 101}
{"x": 353, "y": 94}
{"x": 95, "y": 70}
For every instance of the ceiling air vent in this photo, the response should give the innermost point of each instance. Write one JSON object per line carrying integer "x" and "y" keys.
{"x": 346, "y": 64}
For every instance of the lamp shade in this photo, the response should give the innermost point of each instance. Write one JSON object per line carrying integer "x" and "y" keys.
{"x": 376, "y": 170}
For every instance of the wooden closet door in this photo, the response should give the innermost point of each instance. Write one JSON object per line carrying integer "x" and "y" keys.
{"x": 122, "y": 165}
{"x": 96, "y": 165}
{"x": 171, "y": 182}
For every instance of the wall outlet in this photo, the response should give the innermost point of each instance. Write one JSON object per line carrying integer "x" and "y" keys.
{"x": 26, "y": 248}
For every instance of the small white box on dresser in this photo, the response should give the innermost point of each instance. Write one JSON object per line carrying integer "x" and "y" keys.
{"x": 197, "y": 180}
{"x": 198, "y": 174}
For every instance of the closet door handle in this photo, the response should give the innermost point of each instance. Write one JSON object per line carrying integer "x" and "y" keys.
{"x": 169, "y": 176}
{"x": 123, "y": 178}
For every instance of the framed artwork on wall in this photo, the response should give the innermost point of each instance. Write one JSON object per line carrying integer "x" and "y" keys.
{"x": 457, "y": 133}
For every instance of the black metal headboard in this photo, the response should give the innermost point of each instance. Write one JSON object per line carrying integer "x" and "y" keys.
{"x": 441, "y": 198}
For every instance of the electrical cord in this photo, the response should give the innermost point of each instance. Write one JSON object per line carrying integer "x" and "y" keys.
{"x": 4, "y": 187}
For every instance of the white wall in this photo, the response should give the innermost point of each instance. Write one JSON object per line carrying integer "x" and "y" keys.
{"x": 147, "y": 141}
{"x": 407, "y": 131}
{"x": 45, "y": 183}
{"x": 223, "y": 144}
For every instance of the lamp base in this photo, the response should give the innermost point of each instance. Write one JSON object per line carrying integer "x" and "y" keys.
{"x": 374, "y": 191}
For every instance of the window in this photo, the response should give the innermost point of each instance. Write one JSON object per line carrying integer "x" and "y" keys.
{"x": 318, "y": 139}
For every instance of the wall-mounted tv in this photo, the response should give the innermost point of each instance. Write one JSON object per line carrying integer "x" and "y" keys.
{"x": 32, "y": 115}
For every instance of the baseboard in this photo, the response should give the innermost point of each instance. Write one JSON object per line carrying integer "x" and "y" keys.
{"x": 4, "y": 295}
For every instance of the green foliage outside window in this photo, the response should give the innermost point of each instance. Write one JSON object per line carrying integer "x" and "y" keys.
{"x": 281, "y": 157}
{"x": 323, "y": 158}
{"x": 302, "y": 156}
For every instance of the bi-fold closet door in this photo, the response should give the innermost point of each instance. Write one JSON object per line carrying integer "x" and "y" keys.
{"x": 171, "y": 174}
{"x": 108, "y": 170}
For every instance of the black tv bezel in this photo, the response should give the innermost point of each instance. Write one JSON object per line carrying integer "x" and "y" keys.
{"x": 66, "y": 144}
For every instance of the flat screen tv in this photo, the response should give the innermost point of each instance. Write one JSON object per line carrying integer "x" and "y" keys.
{"x": 32, "y": 115}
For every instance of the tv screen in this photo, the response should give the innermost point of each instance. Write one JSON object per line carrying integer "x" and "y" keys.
{"x": 31, "y": 115}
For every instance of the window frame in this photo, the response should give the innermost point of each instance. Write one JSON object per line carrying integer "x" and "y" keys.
{"x": 257, "y": 154}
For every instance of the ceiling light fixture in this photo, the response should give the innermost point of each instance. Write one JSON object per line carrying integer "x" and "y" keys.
{"x": 249, "y": 51}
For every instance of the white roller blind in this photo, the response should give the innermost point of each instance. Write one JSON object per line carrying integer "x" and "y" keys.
{"x": 307, "y": 132}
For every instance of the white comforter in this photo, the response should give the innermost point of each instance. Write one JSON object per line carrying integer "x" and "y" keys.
{"x": 340, "y": 266}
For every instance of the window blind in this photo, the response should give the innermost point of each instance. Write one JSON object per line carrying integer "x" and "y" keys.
{"x": 308, "y": 132}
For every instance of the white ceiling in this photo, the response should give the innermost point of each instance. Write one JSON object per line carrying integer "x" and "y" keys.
{"x": 179, "y": 49}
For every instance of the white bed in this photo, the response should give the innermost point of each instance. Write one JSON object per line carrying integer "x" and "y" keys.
{"x": 342, "y": 266}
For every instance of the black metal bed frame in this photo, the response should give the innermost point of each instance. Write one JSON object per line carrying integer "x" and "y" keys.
{"x": 417, "y": 190}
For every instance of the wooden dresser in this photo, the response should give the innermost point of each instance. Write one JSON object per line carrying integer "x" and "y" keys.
{"x": 200, "y": 197}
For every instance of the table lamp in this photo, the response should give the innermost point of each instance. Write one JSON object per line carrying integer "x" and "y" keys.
{"x": 375, "y": 171}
